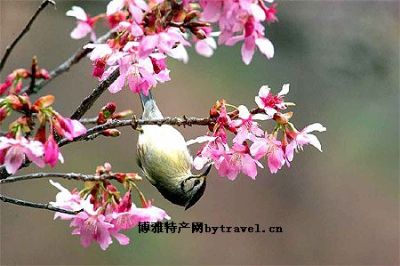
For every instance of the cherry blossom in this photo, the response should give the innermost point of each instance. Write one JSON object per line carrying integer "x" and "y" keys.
{"x": 102, "y": 214}
{"x": 252, "y": 37}
{"x": 68, "y": 128}
{"x": 247, "y": 127}
{"x": 70, "y": 201}
{"x": 92, "y": 226}
{"x": 84, "y": 23}
{"x": 14, "y": 152}
{"x": 299, "y": 139}
{"x": 269, "y": 102}
{"x": 241, "y": 21}
{"x": 272, "y": 148}
{"x": 237, "y": 160}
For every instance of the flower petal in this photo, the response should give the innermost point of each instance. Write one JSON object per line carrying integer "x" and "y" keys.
{"x": 265, "y": 47}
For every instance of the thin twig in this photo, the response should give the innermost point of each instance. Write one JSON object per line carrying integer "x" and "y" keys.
{"x": 24, "y": 203}
{"x": 23, "y": 32}
{"x": 66, "y": 65}
{"x": 88, "y": 121}
{"x": 89, "y": 100}
{"x": 175, "y": 121}
{"x": 33, "y": 74}
{"x": 70, "y": 176}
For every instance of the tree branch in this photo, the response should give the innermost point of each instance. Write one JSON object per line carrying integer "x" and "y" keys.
{"x": 88, "y": 121}
{"x": 24, "y": 203}
{"x": 65, "y": 66}
{"x": 175, "y": 121}
{"x": 70, "y": 176}
{"x": 89, "y": 100}
{"x": 23, "y": 32}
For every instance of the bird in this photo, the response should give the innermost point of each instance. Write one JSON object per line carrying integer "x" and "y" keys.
{"x": 165, "y": 160}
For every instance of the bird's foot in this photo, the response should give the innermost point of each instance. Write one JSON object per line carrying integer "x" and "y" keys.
{"x": 135, "y": 124}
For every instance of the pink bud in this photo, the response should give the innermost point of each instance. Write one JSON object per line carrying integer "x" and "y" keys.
{"x": 51, "y": 151}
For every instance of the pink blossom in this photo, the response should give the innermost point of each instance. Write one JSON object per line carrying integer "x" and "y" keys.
{"x": 212, "y": 9}
{"x": 15, "y": 150}
{"x": 13, "y": 81}
{"x": 92, "y": 226}
{"x": 68, "y": 128}
{"x": 115, "y": 6}
{"x": 89, "y": 224}
{"x": 84, "y": 24}
{"x": 299, "y": 139}
{"x": 270, "y": 13}
{"x": 269, "y": 102}
{"x": 131, "y": 217}
{"x": 66, "y": 200}
{"x": 224, "y": 121}
{"x": 206, "y": 46}
{"x": 51, "y": 152}
{"x": 238, "y": 160}
{"x": 272, "y": 148}
{"x": 100, "y": 50}
{"x": 252, "y": 36}
{"x": 140, "y": 76}
{"x": 241, "y": 21}
{"x": 99, "y": 224}
{"x": 150, "y": 214}
{"x": 247, "y": 126}
{"x": 212, "y": 151}
{"x": 136, "y": 8}
{"x": 165, "y": 42}
{"x": 134, "y": 28}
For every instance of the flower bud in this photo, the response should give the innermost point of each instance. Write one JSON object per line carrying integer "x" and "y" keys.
{"x": 108, "y": 109}
{"x": 112, "y": 132}
{"x": 101, "y": 118}
{"x": 123, "y": 114}
{"x": 3, "y": 113}
{"x": 43, "y": 102}
{"x": 42, "y": 74}
{"x": 282, "y": 119}
{"x": 107, "y": 167}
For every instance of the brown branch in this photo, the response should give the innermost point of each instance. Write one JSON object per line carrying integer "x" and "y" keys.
{"x": 33, "y": 74}
{"x": 95, "y": 131}
{"x": 89, "y": 100}
{"x": 65, "y": 66}
{"x": 70, "y": 176}
{"x": 23, "y": 32}
{"x": 24, "y": 203}
{"x": 174, "y": 121}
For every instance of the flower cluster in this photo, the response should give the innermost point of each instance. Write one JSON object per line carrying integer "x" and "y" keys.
{"x": 251, "y": 143}
{"x": 102, "y": 212}
{"x": 242, "y": 21}
{"x": 146, "y": 33}
{"x": 107, "y": 113}
{"x": 16, "y": 145}
{"x": 14, "y": 81}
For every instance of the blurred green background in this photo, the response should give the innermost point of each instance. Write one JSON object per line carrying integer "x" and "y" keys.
{"x": 336, "y": 207}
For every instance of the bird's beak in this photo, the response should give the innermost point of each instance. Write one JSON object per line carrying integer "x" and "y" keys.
{"x": 200, "y": 192}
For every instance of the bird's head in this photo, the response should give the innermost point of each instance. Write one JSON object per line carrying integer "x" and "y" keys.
{"x": 187, "y": 191}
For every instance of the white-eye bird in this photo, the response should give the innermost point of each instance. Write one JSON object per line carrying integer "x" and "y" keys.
{"x": 165, "y": 159}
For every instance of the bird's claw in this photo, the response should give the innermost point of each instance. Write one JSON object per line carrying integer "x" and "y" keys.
{"x": 135, "y": 124}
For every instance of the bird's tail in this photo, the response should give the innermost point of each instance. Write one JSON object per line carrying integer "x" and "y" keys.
{"x": 150, "y": 108}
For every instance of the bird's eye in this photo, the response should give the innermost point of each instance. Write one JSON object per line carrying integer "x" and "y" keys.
{"x": 196, "y": 182}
